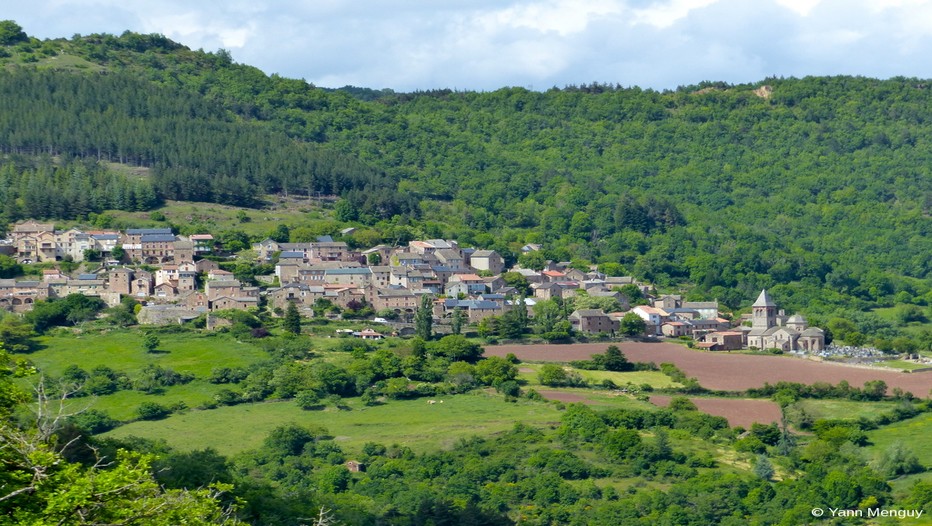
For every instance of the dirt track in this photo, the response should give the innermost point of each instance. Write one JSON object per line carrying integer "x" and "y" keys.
{"x": 725, "y": 371}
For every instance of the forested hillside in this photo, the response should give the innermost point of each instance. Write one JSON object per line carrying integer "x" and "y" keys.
{"x": 817, "y": 187}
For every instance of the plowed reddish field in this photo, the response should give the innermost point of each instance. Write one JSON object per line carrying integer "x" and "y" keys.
{"x": 726, "y": 371}
{"x": 738, "y": 412}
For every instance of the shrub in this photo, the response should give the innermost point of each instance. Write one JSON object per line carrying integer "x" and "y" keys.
{"x": 554, "y": 375}
{"x": 681, "y": 403}
{"x": 151, "y": 411}
{"x": 94, "y": 421}
{"x": 228, "y": 397}
{"x": 509, "y": 388}
{"x": 308, "y": 400}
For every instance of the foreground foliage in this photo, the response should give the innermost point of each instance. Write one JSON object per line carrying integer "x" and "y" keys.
{"x": 38, "y": 485}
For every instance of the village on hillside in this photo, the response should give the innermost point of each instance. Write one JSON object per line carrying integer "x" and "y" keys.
{"x": 170, "y": 276}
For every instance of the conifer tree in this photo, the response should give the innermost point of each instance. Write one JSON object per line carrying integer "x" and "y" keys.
{"x": 292, "y": 323}
{"x": 424, "y": 318}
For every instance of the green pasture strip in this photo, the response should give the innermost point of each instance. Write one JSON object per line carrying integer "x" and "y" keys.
{"x": 122, "y": 350}
{"x": 219, "y": 217}
{"x": 845, "y": 409}
{"x": 414, "y": 423}
{"x": 655, "y": 379}
{"x": 915, "y": 433}
{"x": 122, "y": 404}
{"x": 903, "y": 365}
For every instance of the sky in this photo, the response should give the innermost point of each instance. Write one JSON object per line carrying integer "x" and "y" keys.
{"x": 483, "y": 45}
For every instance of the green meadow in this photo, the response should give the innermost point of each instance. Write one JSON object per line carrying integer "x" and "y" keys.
{"x": 528, "y": 374}
{"x": 844, "y": 409}
{"x": 122, "y": 350}
{"x": 213, "y": 217}
{"x": 414, "y": 423}
{"x": 903, "y": 365}
{"x": 916, "y": 434}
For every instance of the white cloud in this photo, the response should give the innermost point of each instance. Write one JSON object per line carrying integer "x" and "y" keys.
{"x": 562, "y": 17}
{"x": 486, "y": 44}
{"x": 802, "y": 7}
{"x": 665, "y": 14}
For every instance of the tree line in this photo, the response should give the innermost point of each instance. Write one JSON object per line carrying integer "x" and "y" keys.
{"x": 817, "y": 189}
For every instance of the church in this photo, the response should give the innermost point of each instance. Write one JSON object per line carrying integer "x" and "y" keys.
{"x": 771, "y": 329}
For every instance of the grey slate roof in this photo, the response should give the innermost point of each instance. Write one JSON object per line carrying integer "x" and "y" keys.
{"x": 145, "y": 231}
{"x": 471, "y": 304}
{"x": 764, "y": 300}
{"x": 347, "y": 271}
{"x": 157, "y": 238}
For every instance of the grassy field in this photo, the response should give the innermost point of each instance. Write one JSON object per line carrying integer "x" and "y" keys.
{"x": 414, "y": 423}
{"x": 915, "y": 434}
{"x": 845, "y": 409}
{"x": 122, "y": 350}
{"x": 902, "y": 365}
{"x": 122, "y": 404}
{"x": 59, "y": 62}
{"x": 528, "y": 374}
{"x": 214, "y": 217}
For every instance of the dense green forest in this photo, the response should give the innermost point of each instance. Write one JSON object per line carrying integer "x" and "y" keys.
{"x": 818, "y": 188}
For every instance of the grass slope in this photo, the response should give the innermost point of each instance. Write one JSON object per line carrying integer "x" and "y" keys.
{"x": 414, "y": 423}
{"x": 915, "y": 434}
{"x": 122, "y": 350}
{"x": 844, "y": 409}
{"x": 528, "y": 373}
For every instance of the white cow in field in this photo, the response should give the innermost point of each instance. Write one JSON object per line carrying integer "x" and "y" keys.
{"x": 431, "y": 402}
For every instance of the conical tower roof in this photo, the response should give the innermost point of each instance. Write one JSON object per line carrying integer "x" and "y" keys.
{"x": 764, "y": 300}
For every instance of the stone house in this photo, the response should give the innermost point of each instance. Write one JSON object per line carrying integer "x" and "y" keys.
{"x": 593, "y": 321}
{"x": 473, "y": 284}
{"x": 725, "y": 340}
{"x": 653, "y": 316}
{"x": 141, "y": 284}
{"x": 165, "y": 291}
{"x": 354, "y": 277}
{"x": 183, "y": 251}
{"x": 476, "y": 310}
{"x": 206, "y": 266}
{"x": 20, "y": 296}
{"x": 215, "y": 289}
{"x": 238, "y": 303}
{"x": 675, "y": 329}
{"x": 488, "y": 260}
{"x": 298, "y": 293}
{"x": 398, "y": 299}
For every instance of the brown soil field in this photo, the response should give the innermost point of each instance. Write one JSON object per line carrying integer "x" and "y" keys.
{"x": 725, "y": 371}
{"x": 738, "y": 412}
